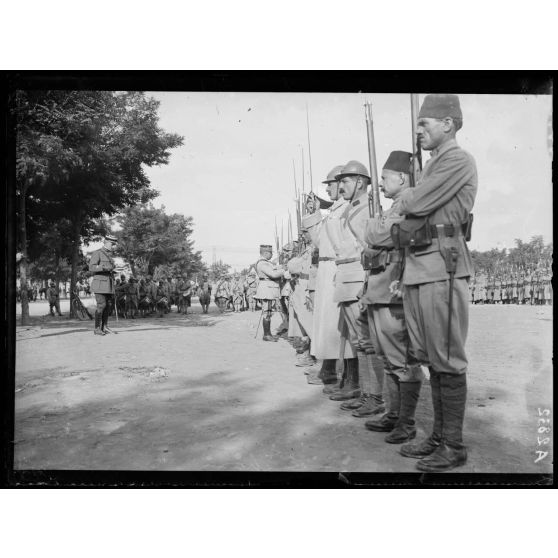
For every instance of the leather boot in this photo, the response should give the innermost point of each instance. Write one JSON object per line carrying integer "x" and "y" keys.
{"x": 98, "y": 330}
{"x": 327, "y": 373}
{"x": 266, "y": 323}
{"x": 350, "y": 389}
{"x": 451, "y": 452}
{"x": 429, "y": 446}
{"x": 405, "y": 429}
{"x": 364, "y": 381}
{"x": 386, "y": 423}
{"x": 371, "y": 405}
{"x": 304, "y": 359}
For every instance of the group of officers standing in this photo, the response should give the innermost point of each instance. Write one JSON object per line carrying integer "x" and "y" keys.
{"x": 376, "y": 297}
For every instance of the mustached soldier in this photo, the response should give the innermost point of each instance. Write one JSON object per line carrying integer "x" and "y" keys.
{"x": 348, "y": 242}
{"x": 102, "y": 265}
{"x": 325, "y": 334}
{"x": 385, "y": 310}
{"x": 438, "y": 266}
{"x": 268, "y": 291}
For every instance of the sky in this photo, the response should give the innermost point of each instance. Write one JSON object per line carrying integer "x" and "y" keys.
{"x": 234, "y": 172}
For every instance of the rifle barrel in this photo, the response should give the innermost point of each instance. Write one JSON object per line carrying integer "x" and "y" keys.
{"x": 375, "y": 197}
{"x": 309, "y": 151}
{"x": 417, "y": 152}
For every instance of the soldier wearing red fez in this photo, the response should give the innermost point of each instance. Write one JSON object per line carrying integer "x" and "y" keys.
{"x": 102, "y": 265}
{"x": 268, "y": 290}
{"x": 385, "y": 313}
{"x": 438, "y": 266}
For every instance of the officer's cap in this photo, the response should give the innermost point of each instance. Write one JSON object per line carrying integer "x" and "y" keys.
{"x": 440, "y": 105}
{"x": 111, "y": 238}
{"x": 266, "y": 247}
{"x": 399, "y": 161}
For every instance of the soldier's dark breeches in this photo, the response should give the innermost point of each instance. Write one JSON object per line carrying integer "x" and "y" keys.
{"x": 104, "y": 306}
{"x": 426, "y": 315}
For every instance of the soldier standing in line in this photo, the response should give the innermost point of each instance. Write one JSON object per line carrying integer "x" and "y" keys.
{"x": 268, "y": 291}
{"x": 438, "y": 266}
{"x": 168, "y": 293}
{"x": 102, "y": 265}
{"x": 386, "y": 318}
{"x": 222, "y": 293}
{"x": 299, "y": 269}
{"x": 237, "y": 292}
{"x": 132, "y": 295}
{"x": 348, "y": 242}
{"x": 285, "y": 329}
{"x": 53, "y": 297}
{"x": 251, "y": 287}
{"x": 326, "y": 342}
{"x": 120, "y": 293}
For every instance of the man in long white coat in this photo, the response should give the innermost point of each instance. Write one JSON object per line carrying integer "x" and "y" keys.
{"x": 325, "y": 333}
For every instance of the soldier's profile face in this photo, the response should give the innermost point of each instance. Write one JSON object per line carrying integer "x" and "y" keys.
{"x": 390, "y": 184}
{"x": 430, "y": 132}
{"x": 347, "y": 186}
{"x": 332, "y": 190}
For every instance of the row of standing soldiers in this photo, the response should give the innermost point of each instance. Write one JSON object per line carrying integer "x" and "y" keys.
{"x": 533, "y": 288}
{"x": 378, "y": 297}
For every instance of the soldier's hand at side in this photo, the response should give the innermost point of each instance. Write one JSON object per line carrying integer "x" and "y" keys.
{"x": 394, "y": 289}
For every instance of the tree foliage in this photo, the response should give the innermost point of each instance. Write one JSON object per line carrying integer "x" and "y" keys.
{"x": 531, "y": 255}
{"x": 152, "y": 240}
{"x": 81, "y": 156}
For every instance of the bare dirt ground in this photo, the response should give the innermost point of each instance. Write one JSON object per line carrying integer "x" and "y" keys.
{"x": 199, "y": 392}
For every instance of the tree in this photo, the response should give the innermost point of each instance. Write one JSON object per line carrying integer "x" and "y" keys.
{"x": 83, "y": 152}
{"x": 150, "y": 239}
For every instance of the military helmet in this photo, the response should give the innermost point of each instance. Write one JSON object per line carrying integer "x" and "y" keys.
{"x": 332, "y": 174}
{"x": 353, "y": 168}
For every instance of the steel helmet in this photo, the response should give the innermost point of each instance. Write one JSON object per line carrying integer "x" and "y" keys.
{"x": 331, "y": 175}
{"x": 353, "y": 168}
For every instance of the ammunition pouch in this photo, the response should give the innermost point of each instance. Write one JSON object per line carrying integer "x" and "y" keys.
{"x": 374, "y": 260}
{"x": 413, "y": 232}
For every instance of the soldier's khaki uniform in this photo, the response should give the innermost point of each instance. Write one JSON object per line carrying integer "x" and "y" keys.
{"x": 102, "y": 265}
{"x": 325, "y": 334}
{"x": 386, "y": 321}
{"x": 445, "y": 194}
{"x": 268, "y": 291}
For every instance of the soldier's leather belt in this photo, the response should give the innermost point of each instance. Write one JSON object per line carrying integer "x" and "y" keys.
{"x": 347, "y": 260}
{"x": 268, "y": 279}
{"x": 448, "y": 230}
{"x": 325, "y": 259}
{"x": 108, "y": 273}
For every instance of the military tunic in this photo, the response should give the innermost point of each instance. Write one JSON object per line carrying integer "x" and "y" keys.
{"x": 102, "y": 265}
{"x": 445, "y": 193}
{"x": 269, "y": 275}
{"x": 325, "y": 325}
{"x": 386, "y": 318}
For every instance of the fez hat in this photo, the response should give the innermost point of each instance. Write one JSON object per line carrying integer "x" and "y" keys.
{"x": 111, "y": 238}
{"x": 399, "y": 161}
{"x": 440, "y": 105}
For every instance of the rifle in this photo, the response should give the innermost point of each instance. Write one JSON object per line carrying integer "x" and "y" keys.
{"x": 417, "y": 152}
{"x": 374, "y": 206}
{"x": 309, "y": 152}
